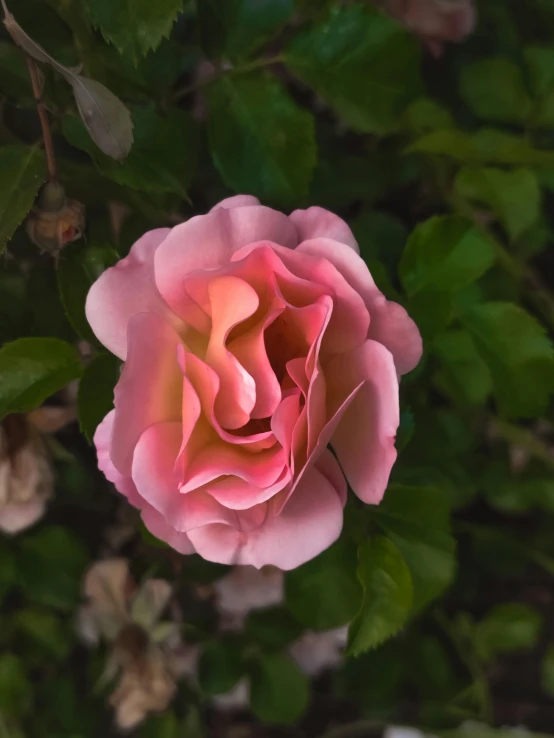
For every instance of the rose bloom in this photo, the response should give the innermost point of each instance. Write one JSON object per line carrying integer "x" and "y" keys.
{"x": 251, "y": 341}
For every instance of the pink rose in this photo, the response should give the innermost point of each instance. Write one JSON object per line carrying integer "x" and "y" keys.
{"x": 251, "y": 341}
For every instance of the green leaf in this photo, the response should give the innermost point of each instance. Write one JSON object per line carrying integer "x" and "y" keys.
{"x": 266, "y": 144}
{"x": 540, "y": 65}
{"x": 363, "y": 63}
{"x": 514, "y": 196}
{"x": 388, "y": 595}
{"x": 79, "y": 267}
{"x": 272, "y": 628}
{"x": 163, "y": 156}
{"x": 279, "y": 691}
{"x": 96, "y": 392}
{"x": 57, "y": 581}
{"x": 47, "y": 631}
{"x": 221, "y": 665}
{"x": 494, "y": 89}
{"x": 463, "y": 373}
{"x": 325, "y": 593}
{"x": 22, "y": 171}
{"x": 417, "y": 520}
{"x": 252, "y": 24}
{"x": 508, "y": 627}
{"x": 15, "y": 687}
{"x": 426, "y": 114}
{"x": 32, "y": 369}
{"x": 518, "y": 353}
{"x": 445, "y": 253}
{"x": 547, "y": 671}
{"x": 161, "y": 726}
{"x": 214, "y": 20}
{"x": 134, "y": 26}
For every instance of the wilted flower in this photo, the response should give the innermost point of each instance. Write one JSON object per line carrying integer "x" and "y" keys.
{"x": 55, "y": 220}
{"x": 145, "y": 650}
{"x": 26, "y": 477}
{"x": 435, "y": 21}
{"x": 316, "y": 652}
{"x": 247, "y": 588}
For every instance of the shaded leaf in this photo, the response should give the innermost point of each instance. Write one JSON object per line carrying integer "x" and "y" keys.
{"x": 96, "y": 392}
{"x": 279, "y": 691}
{"x": 15, "y": 687}
{"x": 221, "y": 665}
{"x": 22, "y": 171}
{"x": 464, "y": 373}
{"x": 363, "y": 63}
{"x": 260, "y": 141}
{"x": 32, "y": 369}
{"x": 388, "y": 594}
{"x": 508, "y": 627}
{"x": 494, "y": 89}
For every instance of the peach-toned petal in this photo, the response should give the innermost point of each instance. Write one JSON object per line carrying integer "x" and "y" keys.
{"x": 209, "y": 241}
{"x": 317, "y": 222}
{"x": 232, "y": 301}
{"x": 308, "y": 524}
{"x": 150, "y": 388}
{"x": 153, "y": 464}
{"x": 390, "y": 323}
{"x": 124, "y": 290}
{"x": 364, "y": 438}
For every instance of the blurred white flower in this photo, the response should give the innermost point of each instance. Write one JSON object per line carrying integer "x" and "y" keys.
{"x": 247, "y": 588}
{"x": 237, "y": 698}
{"x": 396, "y": 731}
{"x": 26, "y": 476}
{"x": 146, "y": 652}
{"x": 316, "y": 652}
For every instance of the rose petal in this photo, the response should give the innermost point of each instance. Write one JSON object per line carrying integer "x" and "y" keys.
{"x": 308, "y": 524}
{"x": 390, "y": 323}
{"x": 150, "y": 388}
{"x": 209, "y": 241}
{"x": 317, "y": 222}
{"x": 124, "y": 290}
{"x": 103, "y": 441}
{"x": 160, "y": 528}
{"x": 237, "y": 201}
{"x": 364, "y": 438}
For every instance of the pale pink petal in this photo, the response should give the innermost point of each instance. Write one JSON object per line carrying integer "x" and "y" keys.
{"x": 209, "y": 241}
{"x": 390, "y": 323}
{"x": 308, "y": 524}
{"x": 150, "y": 388}
{"x": 124, "y": 290}
{"x": 317, "y": 222}
{"x": 364, "y": 438}
{"x": 236, "y": 494}
{"x": 160, "y": 528}
{"x": 330, "y": 468}
{"x": 237, "y": 201}
{"x": 103, "y": 442}
{"x": 17, "y": 516}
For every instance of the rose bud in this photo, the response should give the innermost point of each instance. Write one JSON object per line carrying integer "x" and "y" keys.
{"x": 55, "y": 220}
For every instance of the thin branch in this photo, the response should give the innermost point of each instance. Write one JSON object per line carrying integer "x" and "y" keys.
{"x": 44, "y": 124}
{"x": 520, "y": 436}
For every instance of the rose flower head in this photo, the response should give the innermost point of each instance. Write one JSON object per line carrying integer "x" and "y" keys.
{"x": 252, "y": 340}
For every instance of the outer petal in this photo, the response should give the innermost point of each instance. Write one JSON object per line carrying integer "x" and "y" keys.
{"x": 124, "y": 290}
{"x": 209, "y": 241}
{"x": 390, "y": 323}
{"x": 237, "y": 201}
{"x": 308, "y": 524}
{"x": 103, "y": 441}
{"x": 159, "y": 527}
{"x": 364, "y": 438}
{"x": 150, "y": 388}
{"x": 320, "y": 223}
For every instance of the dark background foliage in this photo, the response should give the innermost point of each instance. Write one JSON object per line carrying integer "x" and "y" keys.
{"x": 445, "y": 170}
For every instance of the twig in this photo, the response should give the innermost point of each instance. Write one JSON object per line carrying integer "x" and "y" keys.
{"x": 44, "y": 124}
{"x": 519, "y": 436}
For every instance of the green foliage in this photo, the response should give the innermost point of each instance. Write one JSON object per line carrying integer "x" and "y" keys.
{"x": 96, "y": 388}
{"x": 221, "y": 665}
{"x": 15, "y": 687}
{"x": 22, "y": 171}
{"x": 509, "y": 627}
{"x": 33, "y": 369}
{"x": 388, "y": 595}
{"x": 494, "y": 89}
{"x": 362, "y": 63}
{"x": 325, "y": 593}
{"x": 279, "y": 691}
{"x": 266, "y": 147}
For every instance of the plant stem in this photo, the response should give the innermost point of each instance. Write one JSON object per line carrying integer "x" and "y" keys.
{"x": 44, "y": 124}
{"x": 256, "y": 64}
